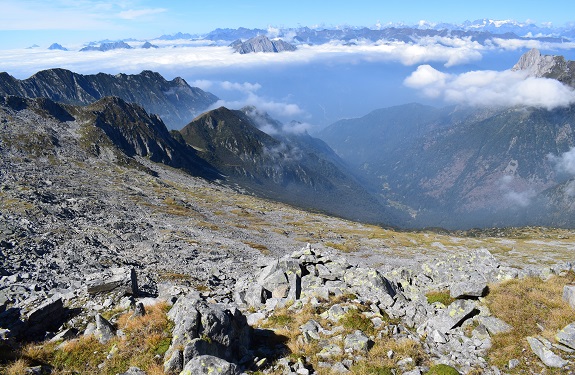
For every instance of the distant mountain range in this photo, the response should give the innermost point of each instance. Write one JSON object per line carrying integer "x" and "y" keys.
{"x": 463, "y": 167}
{"x": 406, "y": 166}
{"x": 174, "y": 101}
{"x": 480, "y": 30}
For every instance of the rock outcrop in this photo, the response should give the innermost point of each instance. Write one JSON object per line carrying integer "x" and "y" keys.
{"x": 262, "y": 43}
{"x": 176, "y": 102}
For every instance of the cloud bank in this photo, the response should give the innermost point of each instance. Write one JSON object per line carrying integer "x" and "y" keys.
{"x": 189, "y": 54}
{"x": 491, "y": 88}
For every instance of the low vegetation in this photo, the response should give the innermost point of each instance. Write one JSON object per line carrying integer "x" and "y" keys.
{"x": 532, "y": 307}
{"x": 145, "y": 341}
{"x": 441, "y": 296}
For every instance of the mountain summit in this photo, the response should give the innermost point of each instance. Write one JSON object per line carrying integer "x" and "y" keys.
{"x": 547, "y": 66}
{"x": 262, "y": 43}
{"x": 174, "y": 101}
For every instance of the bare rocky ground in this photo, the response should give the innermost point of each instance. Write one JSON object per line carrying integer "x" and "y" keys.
{"x": 72, "y": 218}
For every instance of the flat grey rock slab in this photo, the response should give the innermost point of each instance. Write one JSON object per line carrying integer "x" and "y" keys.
{"x": 546, "y": 356}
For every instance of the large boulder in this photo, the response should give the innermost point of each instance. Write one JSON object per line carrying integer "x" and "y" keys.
{"x": 206, "y": 364}
{"x": 122, "y": 280}
{"x": 209, "y": 329}
{"x": 453, "y": 316}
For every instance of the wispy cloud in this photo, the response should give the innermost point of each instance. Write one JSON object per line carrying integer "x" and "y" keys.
{"x": 491, "y": 88}
{"x": 249, "y": 97}
{"x": 70, "y": 15}
{"x": 131, "y": 14}
{"x": 513, "y": 194}
{"x": 564, "y": 163}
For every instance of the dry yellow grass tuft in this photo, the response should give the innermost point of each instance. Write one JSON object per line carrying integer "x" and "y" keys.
{"x": 532, "y": 307}
{"x": 146, "y": 339}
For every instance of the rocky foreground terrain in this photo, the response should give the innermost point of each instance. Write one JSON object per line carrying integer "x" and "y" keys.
{"x": 112, "y": 263}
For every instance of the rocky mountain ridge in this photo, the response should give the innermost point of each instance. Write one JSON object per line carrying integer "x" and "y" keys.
{"x": 174, "y": 101}
{"x": 547, "y": 66}
{"x": 279, "y": 167}
{"x": 261, "y": 43}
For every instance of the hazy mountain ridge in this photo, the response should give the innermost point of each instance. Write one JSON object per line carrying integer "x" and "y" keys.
{"x": 462, "y": 167}
{"x": 479, "y": 31}
{"x": 280, "y": 167}
{"x": 174, "y": 101}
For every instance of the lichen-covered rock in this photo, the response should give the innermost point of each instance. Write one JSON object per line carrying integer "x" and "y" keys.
{"x": 569, "y": 295}
{"x": 357, "y": 342}
{"x": 453, "y": 316}
{"x": 209, "y": 329}
{"x": 206, "y": 364}
{"x": 566, "y": 336}
{"x": 105, "y": 331}
{"x": 546, "y": 356}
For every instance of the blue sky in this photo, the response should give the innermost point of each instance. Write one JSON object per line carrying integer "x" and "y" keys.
{"x": 27, "y": 22}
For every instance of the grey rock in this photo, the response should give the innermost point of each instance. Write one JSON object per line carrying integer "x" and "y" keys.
{"x": 134, "y": 371}
{"x": 357, "y": 342}
{"x": 494, "y": 325}
{"x": 105, "y": 331}
{"x": 255, "y": 296}
{"x": 49, "y": 316}
{"x": 175, "y": 363}
{"x": 339, "y": 368}
{"x": 476, "y": 287}
{"x": 546, "y": 356}
{"x": 310, "y": 330}
{"x": 206, "y": 364}
{"x": 569, "y": 295}
{"x": 454, "y": 315}
{"x": 67, "y": 334}
{"x": 120, "y": 279}
{"x": 513, "y": 363}
{"x": 212, "y": 329}
{"x": 566, "y": 336}
{"x": 139, "y": 310}
{"x": 200, "y": 346}
{"x": 254, "y": 318}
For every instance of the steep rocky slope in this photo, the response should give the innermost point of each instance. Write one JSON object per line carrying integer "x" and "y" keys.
{"x": 280, "y": 168}
{"x": 174, "y": 101}
{"x": 90, "y": 225}
{"x": 547, "y": 66}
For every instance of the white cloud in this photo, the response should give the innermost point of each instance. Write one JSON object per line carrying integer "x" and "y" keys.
{"x": 197, "y": 55}
{"x": 565, "y": 163}
{"x": 245, "y": 87}
{"x": 523, "y": 198}
{"x": 517, "y": 44}
{"x": 296, "y": 127}
{"x": 284, "y": 110}
{"x": 491, "y": 88}
{"x": 131, "y": 14}
{"x": 204, "y": 84}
